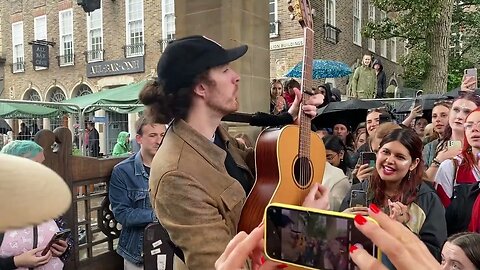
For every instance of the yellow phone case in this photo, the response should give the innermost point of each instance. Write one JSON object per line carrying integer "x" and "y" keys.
{"x": 308, "y": 209}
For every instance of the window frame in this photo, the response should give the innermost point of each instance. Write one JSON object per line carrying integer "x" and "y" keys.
{"x": 393, "y": 49}
{"x": 128, "y": 45}
{"x": 165, "y": 35}
{"x": 90, "y": 50}
{"x": 276, "y": 22}
{"x": 383, "y": 42}
{"x": 357, "y": 33}
{"x": 62, "y": 62}
{"x": 372, "y": 18}
{"x": 18, "y": 66}
{"x": 36, "y": 33}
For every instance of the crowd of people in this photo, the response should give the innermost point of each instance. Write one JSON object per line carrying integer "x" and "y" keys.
{"x": 193, "y": 177}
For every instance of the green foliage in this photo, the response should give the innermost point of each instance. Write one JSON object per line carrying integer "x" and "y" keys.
{"x": 412, "y": 20}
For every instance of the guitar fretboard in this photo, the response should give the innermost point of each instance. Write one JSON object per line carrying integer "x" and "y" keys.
{"x": 305, "y": 121}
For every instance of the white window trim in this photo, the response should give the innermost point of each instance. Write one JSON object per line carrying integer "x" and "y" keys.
{"x": 357, "y": 42}
{"x": 164, "y": 25}
{"x": 89, "y": 39}
{"x": 383, "y": 42}
{"x": 35, "y": 33}
{"x": 60, "y": 38}
{"x": 371, "y": 41}
{"x": 127, "y": 34}
{"x": 334, "y": 19}
{"x": 14, "y": 56}
{"x": 393, "y": 50}
{"x": 277, "y": 29}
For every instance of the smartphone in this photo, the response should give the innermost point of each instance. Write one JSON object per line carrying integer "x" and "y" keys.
{"x": 61, "y": 235}
{"x": 472, "y": 72}
{"x": 417, "y": 102}
{"x": 312, "y": 238}
{"x": 454, "y": 145}
{"x": 358, "y": 198}
{"x": 368, "y": 158}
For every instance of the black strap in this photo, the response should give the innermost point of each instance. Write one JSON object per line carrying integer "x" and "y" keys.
{"x": 35, "y": 239}
{"x": 1, "y": 238}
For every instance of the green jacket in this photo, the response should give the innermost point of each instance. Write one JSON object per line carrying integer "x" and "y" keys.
{"x": 364, "y": 82}
{"x": 122, "y": 146}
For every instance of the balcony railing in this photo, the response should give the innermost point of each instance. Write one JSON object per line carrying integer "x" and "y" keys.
{"x": 18, "y": 67}
{"x": 66, "y": 59}
{"x": 94, "y": 55}
{"x": 164, "y": 42}
{"x": 132, "y": 50}
{"x": 332, "y": 33}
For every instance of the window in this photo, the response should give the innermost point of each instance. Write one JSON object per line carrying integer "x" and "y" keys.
{"x": 135, "y": 40}
{"x": 168, "y": 22}
{"x": 95, "y": 36}
{"x": 66, "y": 37}
{"x": 330, "y": 21}
{"x": 383, "y": 43}
{"x": 17, "y": 45}
{"x": 357, "y": 22}
{"x": 393, "y": 49}
{"x": 371, "y": 17}
{"x": 273, "y": 18}
{"x": 40, "y": 31}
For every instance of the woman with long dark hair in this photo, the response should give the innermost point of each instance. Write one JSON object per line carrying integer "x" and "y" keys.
{"x": 397, "y": 187}
{"x": 337, "y": 153}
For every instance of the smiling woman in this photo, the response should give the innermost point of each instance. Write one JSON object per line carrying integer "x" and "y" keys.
{"x": 397, "y": 187}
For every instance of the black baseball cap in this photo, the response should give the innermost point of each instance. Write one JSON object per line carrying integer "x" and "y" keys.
{"x": 186, "y": 58}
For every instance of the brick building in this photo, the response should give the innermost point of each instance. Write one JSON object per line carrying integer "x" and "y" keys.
{"x": 337, "y": 26}
{"x": 112, "y": 46}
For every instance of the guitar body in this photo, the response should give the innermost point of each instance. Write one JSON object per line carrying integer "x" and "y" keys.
{"x": 276, "y": 160}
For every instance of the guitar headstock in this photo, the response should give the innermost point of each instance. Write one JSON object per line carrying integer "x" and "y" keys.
{"x": 301, "y": 11}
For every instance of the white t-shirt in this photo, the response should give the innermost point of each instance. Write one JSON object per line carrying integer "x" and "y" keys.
{"x": 446, "y": 173}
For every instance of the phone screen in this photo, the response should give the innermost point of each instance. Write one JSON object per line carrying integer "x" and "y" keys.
{"x": 368, "y": 158}
{"x": 311, "y": 239}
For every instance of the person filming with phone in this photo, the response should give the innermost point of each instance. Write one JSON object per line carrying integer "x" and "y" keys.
{"x": 397, "y": 187}
{"x": 32, "y": 247}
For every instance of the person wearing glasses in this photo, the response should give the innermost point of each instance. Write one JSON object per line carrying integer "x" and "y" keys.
{"x": 450, "y": 143}
{"x": 457, "y": 180}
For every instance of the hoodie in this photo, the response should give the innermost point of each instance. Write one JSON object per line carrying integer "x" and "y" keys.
{"x": 122, "y": 146}
{"x": 381, "y": 80}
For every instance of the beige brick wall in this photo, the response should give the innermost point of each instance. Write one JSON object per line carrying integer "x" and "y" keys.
{"x": 67, "y": 78}
{"x": 345, "y": 50}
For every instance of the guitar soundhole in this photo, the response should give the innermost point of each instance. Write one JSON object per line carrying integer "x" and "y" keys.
{"x": 302, "y": 170}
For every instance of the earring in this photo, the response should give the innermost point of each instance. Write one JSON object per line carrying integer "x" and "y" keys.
{"x": 409, "y": 175}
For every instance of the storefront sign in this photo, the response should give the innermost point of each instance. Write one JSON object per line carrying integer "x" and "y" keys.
{"x": 40, "y": 55}
{"x": 288, "y": 43}
{"x": 116, "y": 67}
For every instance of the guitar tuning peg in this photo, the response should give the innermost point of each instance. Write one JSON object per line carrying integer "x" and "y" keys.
{"x": 290, "y": 8}
{"x": 289, "y": 2}
{"x": 292, "y": 16}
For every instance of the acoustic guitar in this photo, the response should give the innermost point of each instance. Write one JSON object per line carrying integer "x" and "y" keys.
{"x": 291, "y": 159}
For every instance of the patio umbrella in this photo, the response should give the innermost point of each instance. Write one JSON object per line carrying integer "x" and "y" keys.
{"x": 351, "y": 111}
{"x": 322, "y": 69}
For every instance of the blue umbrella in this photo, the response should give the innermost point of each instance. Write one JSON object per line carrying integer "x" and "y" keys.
{"x": 322, "y": 69}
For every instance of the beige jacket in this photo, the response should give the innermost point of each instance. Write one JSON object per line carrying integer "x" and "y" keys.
{"x": 194, "y": 198}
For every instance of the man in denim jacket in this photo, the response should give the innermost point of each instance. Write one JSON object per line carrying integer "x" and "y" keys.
{"x": 128, "y": 193}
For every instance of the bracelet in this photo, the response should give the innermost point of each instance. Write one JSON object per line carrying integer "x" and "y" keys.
{"x": 436, "y": 162}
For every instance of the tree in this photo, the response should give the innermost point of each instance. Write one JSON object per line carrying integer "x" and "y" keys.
{"x": 426, "y": 27}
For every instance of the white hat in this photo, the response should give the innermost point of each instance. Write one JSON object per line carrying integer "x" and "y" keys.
{"x": 30, "y": 193}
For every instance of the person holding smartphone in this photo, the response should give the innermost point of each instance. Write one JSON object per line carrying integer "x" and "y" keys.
{"x": 22, "y": 247}
{"x": 397, "y": 187}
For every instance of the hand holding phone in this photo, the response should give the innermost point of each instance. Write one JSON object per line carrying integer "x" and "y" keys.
{"x": 358, "y": 198}
{"x": 368, "y": 158}
{"x": 470, "y": 80}
{"x": 61, "y": 235}
{"x": 454, "y": 145}
{"x": 312, "y": 238}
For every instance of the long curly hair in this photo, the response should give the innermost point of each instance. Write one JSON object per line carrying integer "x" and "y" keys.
{"x": 407, "y": 192}
{"x": 467, "y": 155}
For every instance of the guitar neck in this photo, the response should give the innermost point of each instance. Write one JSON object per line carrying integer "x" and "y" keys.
{"x": 306, "y": 85}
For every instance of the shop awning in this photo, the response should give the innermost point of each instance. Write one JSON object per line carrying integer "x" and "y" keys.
{"x": 122, "y": 95}
{"x": 15, "y": 110}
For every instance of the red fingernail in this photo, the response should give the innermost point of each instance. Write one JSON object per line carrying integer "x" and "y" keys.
{"x": 374, "y": 208}
{"x": 353, "y": 248}
{"x": 360, "y": 220}
{"x": 281, "y": 266}
{"x": 262, "y": 260}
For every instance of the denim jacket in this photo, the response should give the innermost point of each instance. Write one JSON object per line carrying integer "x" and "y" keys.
{"x": 128, "y": 194}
